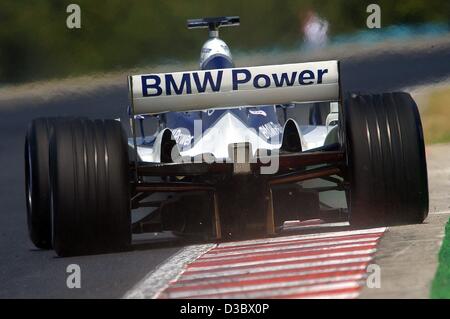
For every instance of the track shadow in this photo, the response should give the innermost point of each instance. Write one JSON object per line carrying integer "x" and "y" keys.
{"x": 150, "y": 241}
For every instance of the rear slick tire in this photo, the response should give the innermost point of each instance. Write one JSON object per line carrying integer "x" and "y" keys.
{"x": 386, "y": 160}
{"x": 37, "y": 184}
{"x": 89, "y": 173}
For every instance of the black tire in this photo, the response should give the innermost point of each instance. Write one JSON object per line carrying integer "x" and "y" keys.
{"x": 89, "y": 172}
{"x": 386, "y": 160}
{"x": 37, "y": 184}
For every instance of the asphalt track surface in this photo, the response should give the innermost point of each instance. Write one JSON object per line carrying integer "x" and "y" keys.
{"x": 408, "y": 255}
{"x": 29, "y": 273}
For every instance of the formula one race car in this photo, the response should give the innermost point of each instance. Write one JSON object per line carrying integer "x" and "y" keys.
{"x": 235, "y": 152}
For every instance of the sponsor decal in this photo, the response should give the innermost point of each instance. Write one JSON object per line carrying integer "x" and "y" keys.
{"x": 182, "y": 137}
{"x": 270, "y": 129}
{"x": 226, "y": 80}
{"x": 257, "y": 112}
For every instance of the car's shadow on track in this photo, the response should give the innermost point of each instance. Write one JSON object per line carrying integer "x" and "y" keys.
{"x": 151, "y": 241}
{"x": 314, "y": 228}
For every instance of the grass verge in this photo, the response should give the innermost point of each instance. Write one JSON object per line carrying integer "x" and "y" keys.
{"x": 440, "y": 288}
{"x": 436, "y": 117}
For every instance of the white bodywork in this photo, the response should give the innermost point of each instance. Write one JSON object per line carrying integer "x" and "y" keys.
{"x": 229, "y": 130}
{"x": 226, "y": 88}
{"x": 214, "y": 47}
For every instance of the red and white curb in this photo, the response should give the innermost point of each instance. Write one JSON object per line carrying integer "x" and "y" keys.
{"x": 325, "y": 265}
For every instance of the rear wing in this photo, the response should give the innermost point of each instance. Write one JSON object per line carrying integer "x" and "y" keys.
{"x": 228, "y": 88}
